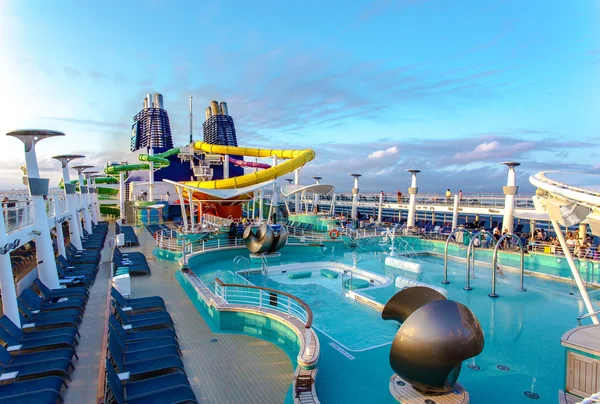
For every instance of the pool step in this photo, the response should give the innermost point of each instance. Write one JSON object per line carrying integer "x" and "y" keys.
{"x": 371, "y": 303}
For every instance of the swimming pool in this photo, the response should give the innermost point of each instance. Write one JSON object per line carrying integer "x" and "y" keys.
{"x": 522, "y": 329}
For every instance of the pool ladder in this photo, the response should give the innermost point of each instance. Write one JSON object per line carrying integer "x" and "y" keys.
{"x": 264, "y": 264}
{"x": 346, "y": 282}
{"x": 236, "y": 265}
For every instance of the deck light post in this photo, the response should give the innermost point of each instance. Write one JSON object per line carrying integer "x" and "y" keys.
{"x": 38, "y": 188}
{"x": 510, "y": 190}
{"x": 355, "y": 196}
{"x": 85, "y": 202}
{"x": 74, "y": 222}
{"x": 412, "y": 204}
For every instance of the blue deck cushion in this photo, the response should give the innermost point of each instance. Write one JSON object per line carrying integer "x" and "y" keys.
{"x": 299, "y": 275}
{"x": 328, "y": 273}
{"x": 359, "y": 284}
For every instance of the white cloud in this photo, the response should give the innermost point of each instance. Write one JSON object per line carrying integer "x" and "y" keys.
{"x": 383, "y": 153}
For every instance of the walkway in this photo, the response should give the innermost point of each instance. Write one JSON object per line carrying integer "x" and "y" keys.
{"x": 84, "y": 386}
{"x": 222, "y": 368}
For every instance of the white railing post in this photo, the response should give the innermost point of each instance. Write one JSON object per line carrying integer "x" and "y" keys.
{"x": 218, "y": 243}
{"x": 260, "y": 298}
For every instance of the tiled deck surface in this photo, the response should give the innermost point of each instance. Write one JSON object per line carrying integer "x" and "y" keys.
{"x": 235, "y": 369}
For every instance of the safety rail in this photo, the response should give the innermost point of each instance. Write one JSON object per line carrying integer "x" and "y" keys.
{"x": 292, "y": 306}
{"x": 236, "y": 264}
{"x": 305, "y": 235}
{"x": 584, "y": 316}
{"x": 213, "y": 244}
{"x": 19, "y": 214}
{"x": 473, "y": 200}
{"x": 264, "y": 265}
{"x": 217, "y": 221}
{"x": 167, "y": 240}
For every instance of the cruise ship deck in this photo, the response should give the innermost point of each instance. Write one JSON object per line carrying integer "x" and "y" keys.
{"x": 222, "y": 368}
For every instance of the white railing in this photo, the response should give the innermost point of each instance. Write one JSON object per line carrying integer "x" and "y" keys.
{"x": 305, "y": 235}
{"x": 213, "y": 244}
{"x": 261, "y": 297}
{"x": 472, "y": 200}
{"x": 217, "y": 221}
{"x": 155, "y": 198}
{"x": 167, "y": 240}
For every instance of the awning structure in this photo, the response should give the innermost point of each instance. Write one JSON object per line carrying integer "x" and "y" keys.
{"x": 222, "y": 193}
{"x": 322, "y": 189}
{"x": 531, "y": 215}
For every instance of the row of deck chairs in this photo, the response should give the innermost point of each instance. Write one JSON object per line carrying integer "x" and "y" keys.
{"x": 155, "y": 228}
{"x": 132, "y": 262}
{"x": 38, "y": 357}
{"x": 143, "y": 364}
{"x": 130, "y": 237}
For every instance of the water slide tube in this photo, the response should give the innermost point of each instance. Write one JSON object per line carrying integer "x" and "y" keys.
{"x": 242, "y": 163}
{"x": 293, "y": 159}
{"x": 159, "y": 160}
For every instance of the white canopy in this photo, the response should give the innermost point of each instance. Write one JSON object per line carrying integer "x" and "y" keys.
{"x": 222, "y": 193}
{"x": 322, "y": 189}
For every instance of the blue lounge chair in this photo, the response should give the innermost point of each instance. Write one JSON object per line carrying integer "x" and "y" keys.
{"x": 9, "y": 360}
{"x": 144, "y": 369}
{"x": 20, "y": 391}
{"x": 139, "y": 323}
{"x": 58, "y": 341}
{"x": 131, "y": 355}
{"x": 18, "y": 333}
{"x": 37, "y": 303}
{"x": 135, "y": 336}
{"x": 143, "y": 303}
{"x": 168, "y": 389}
{"x": 60, "y": 293}
{"x": 49, "y": 317}
{"x": 135, "y": 346}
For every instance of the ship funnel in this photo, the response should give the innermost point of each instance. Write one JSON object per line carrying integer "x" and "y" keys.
{"x": 214, "y": 106}
{"x": 224, "y": 108}
{"x": 207, "y": 113}
{"x": 149, "y": 100}
{"x": 158, "y": 101}
{"x": 145, "y": 103}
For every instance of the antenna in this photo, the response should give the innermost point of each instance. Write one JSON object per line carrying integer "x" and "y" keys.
{"x": 191, "y": 120}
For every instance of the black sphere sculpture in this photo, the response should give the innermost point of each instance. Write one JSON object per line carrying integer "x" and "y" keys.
{"x": 436, "y": 336}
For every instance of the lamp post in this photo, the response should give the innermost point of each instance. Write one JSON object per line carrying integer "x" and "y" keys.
{"x": 96, "y": 199}
{"x": 316, "y": 195}
{"x": 74, "y": 222}
{"x": 355, "y": 196}
{"x": 91, "y": 195}
{"x": 85, "y": 202}
{"x": 38, "y": 187}
{"x": 510, "y": 190}
{"x": 412, "y": 204}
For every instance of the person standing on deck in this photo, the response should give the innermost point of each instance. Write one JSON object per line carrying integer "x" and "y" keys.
{"x": 448, "y": 194}
{"x": 460, "y": 195}
{"x": 399, "y": 196}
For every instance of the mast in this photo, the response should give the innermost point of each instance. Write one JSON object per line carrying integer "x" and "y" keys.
{"x": 191, "y": 120}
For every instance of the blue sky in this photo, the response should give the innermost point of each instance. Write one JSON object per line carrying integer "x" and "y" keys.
{"x": 451, "y": 88}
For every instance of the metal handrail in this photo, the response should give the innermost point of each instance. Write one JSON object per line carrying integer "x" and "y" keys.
{"x": 583, "y": 316}
{"x": 264, "y": 264}
{"x": 307, "y": 311}
{"x": 495, "y": 262}
{"x": 459, "y": 230}
{"x": 471, "y": 251}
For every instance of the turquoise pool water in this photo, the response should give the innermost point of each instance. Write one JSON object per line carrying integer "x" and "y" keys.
{"x": 522, "y": 329}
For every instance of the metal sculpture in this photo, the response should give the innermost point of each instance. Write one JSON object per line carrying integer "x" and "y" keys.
{"x": 267, "y": 239}
{"x": 435, "y": 337}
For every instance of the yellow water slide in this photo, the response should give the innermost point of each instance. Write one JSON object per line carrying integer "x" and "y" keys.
{"x": 291, "y": 160}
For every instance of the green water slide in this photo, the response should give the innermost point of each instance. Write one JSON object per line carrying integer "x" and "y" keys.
{"x": 159, "y": 160}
